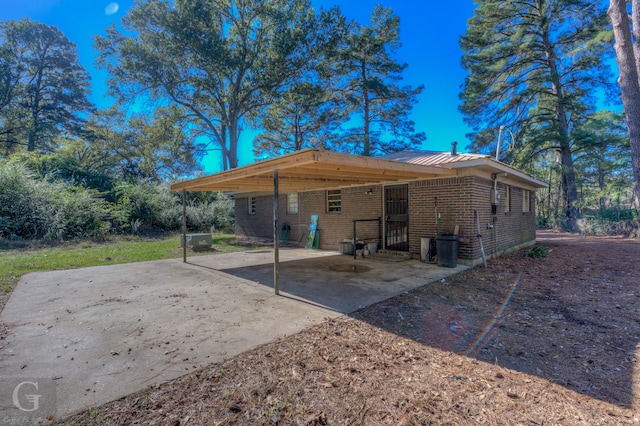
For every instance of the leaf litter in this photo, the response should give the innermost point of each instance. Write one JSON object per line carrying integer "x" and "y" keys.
{"x": 549, "y": 341}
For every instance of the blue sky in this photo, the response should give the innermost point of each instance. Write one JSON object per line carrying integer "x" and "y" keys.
{"x": 429, "y": 31}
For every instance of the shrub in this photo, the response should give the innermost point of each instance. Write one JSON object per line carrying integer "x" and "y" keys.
{"x": 537, "y": 252}
{"x": 34, "y": 209}
{"x": 143, "y": 207}
{"x": 25, "y": 207}
{"x": 80, "y": 214}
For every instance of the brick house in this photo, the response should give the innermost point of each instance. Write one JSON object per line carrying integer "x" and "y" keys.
{"x": 410, "y": 210}
{"x": 396, "y": 201}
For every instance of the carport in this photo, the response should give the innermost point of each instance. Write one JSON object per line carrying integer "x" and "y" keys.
{"x": 306, "y": 170}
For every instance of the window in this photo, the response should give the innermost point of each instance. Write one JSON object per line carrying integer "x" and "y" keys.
{"x": 507, "y": 198}
{"x": 334, "y": 201}
{"x": 292, "y": 203}
{"x": 252, "y": 205}
{"x": 526, "y": 201}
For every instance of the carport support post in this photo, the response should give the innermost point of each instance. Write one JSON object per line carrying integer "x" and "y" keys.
{"x": 184, "y": 225}
{"x": 276, "y": 236}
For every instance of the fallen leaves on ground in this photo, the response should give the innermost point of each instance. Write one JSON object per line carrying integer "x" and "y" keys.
{"x": 526, "y": 341}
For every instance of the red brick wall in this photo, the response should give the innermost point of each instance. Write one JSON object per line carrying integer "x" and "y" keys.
{"x": 334, "y": 227}
{"x": 455, "y": 199}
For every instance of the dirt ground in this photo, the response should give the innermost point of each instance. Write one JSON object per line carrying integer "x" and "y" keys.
{"x": 524, "y": 342}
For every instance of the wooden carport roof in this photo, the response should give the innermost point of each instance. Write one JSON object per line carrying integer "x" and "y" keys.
{"x": 312, "y": 169}
{"x": 306, "y": 170}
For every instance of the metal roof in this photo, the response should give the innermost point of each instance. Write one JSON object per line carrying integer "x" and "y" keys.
{"x": 478, "y": 162}
{"x": 430, "y": 158}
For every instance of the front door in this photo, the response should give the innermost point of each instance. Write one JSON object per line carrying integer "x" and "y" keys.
{"x": 396, "y": 204}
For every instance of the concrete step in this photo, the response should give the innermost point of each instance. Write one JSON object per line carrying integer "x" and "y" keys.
{"x": 391, "y": 255}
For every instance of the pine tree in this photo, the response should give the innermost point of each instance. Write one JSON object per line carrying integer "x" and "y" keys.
{"x": 44, "y": 88}
{"x": 534, "y": 67}
{"x": 628, "y": 58}
{"x": 368, "y": 77}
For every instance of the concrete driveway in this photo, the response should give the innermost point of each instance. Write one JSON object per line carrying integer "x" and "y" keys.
{"x": 97, "y": 334}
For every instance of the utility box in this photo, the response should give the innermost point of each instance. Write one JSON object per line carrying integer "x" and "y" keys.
{"x": 447, "y": 250}
{"x": 197, "y": 241}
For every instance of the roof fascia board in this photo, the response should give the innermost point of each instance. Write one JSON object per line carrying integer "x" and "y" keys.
{"x": 499, "y": 167}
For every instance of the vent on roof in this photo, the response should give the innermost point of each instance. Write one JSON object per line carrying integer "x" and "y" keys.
{"x": 453, "y": 148}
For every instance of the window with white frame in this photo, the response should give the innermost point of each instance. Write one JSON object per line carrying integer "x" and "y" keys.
{"x": 252, "y": 205}
{"x": 292, "y": 203}
{"x": 507, "y": 198}
{"x": 526, "y": 201}
{"x": 334, "y": 201}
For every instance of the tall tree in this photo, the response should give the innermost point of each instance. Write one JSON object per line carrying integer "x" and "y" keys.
{"x": 156, "y": 147}
{"x": 534, "y": 67}
{"x": 221, "y": 60}
{"x": 370, "y": 78}
{"x": 44, "y": 87}
{"x": 8, "y": 84}
{"x": 304, "y": 117}
{"x": 603, "y": 160}
{"x": 628, "y": 58}
{"x": 307, "y": 113}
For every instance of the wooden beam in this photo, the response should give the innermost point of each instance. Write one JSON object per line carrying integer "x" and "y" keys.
{"x": 345, "y": 170}
{"x": 184, "y": 226}
{"x": 260, "y": 167}
{"x": 276, "y": 235}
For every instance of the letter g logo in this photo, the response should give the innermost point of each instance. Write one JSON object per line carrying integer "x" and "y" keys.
{"x": 33, "y": 399}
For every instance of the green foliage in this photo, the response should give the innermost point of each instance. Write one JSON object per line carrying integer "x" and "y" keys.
{"x": 369, "y": 80}
{"x": 604, "y": 176}
{"x": 25, "y": 204}
{"x": 626, "y": 225}
{"x": 223, "y": 61}
{"x": 44, "y": 88}
{"x": 304, "y": 117}
{"x": 61, "y": 167}
{"x": 537, "y": 252}
{"x": 147, "y": 208}
{"x": 536, "y": 68}
{"x": 33, "y": 208}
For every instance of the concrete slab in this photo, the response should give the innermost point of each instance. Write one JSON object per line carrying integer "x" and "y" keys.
{"x": 328, "y": 279}
{"x": 104, "y": 332}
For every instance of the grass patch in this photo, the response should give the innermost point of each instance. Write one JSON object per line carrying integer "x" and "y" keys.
{"x": 17, "y": 262}
{"x": 537, "y": 252}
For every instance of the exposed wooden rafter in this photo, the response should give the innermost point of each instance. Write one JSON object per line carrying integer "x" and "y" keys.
{"x": 313, "y": 170}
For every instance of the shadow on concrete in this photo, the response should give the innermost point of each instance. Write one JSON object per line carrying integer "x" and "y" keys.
{"x": 338, "y": 282}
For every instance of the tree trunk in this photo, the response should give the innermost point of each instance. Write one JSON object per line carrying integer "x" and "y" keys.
{"x": 569, "y": 189}
{"x": 222, "y": 142}
{"x": 629, "y": 78}
{"x": 366, "y": 149}
{"x": 234, "y": 135}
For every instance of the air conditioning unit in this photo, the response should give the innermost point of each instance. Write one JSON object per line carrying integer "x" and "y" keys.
{"x": 197, "y": 241}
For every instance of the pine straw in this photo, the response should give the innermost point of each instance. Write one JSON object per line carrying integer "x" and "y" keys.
{"x": 346, "y": 371}
{"x": 571, "y": 332}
